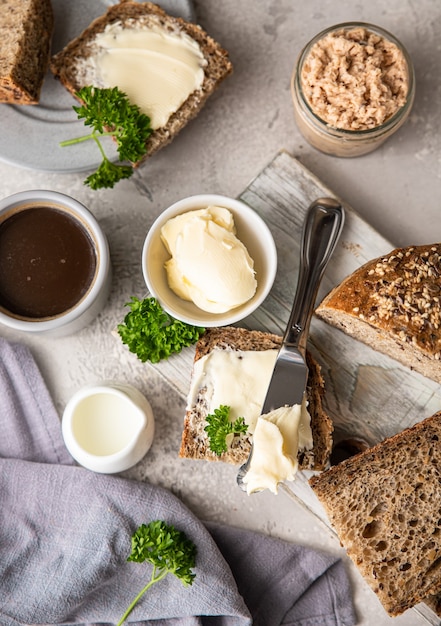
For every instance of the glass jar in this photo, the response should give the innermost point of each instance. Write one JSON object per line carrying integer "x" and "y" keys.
{"x": 338, "y": 141}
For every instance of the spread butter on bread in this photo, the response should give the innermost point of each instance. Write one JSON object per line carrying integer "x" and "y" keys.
{"x": 384, "y": 506}
{"x": 195, "y": 443}
{"x": 25, "y": 38}
{"x": 393, "y": 304}
{"x": 76, "y": 65}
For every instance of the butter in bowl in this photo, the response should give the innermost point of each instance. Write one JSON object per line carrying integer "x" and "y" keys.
{"x": 209, "y": 260}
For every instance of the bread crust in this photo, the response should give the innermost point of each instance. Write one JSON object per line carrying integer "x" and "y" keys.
{"x": 385, "y": 506}
{"x": 194, "y": 443}
{"x": 64, "y": 65}
{"x": 26, "y": 28}
{"x": 393, "y": 303}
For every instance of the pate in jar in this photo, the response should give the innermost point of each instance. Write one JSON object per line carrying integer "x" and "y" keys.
{"x": 353, "y": 87}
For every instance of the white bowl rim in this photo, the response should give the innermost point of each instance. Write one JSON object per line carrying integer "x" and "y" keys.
{"x": 199, "y": 201}
{"x": 43, "y": 195}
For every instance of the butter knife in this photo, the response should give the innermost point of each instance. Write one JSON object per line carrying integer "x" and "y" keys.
{"x": 322, "y": 227}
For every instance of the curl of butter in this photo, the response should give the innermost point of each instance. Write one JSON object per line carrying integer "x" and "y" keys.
{"x": 209, "y": 265}
{"x": 277, "y": 438}
{"x": 156, "y": 69}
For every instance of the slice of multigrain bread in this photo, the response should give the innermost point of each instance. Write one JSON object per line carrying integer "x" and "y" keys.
{"x": 393, "y": 304}
{"x": 70, "y": 63}
{"x": 195, "y": 444}
{"x": 25, "y": 38}
{"x": 385, "y": 504}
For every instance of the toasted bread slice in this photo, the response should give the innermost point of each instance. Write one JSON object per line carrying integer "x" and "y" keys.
{"x": 25, "y": 38}
{"x": 393, "y": 304}
{"x": 195, "y": 443}
{"x": 384, "y": 504}
{"x": 70, "y": 63}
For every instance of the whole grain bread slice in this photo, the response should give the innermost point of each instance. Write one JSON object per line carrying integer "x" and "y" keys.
{"x": 385, "y": 505}
{"x": 393, "y": 304}
{"x": 195, "y": 444}
{"x": 68, "y": 64}
{"x": 25, "y": 38}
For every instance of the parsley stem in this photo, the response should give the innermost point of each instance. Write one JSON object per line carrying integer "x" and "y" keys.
{"x": 71, "y": 142}
{"x": 100, "y": 147}
{"x": 154, "y": 579}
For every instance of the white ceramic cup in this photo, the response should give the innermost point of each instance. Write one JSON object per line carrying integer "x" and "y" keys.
{"x": 92, "y": 302}
{"x": 109, "y": 427}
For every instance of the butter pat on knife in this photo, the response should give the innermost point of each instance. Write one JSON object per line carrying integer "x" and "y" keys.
{"x": 277, "y": 439}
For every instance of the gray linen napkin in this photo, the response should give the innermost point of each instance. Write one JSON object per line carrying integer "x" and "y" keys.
{"x": 65, "y": 536}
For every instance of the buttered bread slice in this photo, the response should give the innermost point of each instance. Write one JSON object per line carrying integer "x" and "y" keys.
{"x": 165, "y": 65}
{"x": 238, "y": 345}
{"x": 393, "y": 304}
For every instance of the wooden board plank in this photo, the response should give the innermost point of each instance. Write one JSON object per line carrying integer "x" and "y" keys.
{"x": 368, "y": 395}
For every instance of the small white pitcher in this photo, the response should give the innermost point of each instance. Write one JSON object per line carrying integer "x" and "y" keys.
{"x": 109, "y": 427}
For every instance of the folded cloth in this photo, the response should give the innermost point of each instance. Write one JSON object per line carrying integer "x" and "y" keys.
{"x": 65, "y": 537}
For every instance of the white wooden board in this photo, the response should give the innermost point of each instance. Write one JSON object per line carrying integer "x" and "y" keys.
{"x": 368, "y": 395}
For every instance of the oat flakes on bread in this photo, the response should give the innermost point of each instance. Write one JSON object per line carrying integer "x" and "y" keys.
{"x": 25, "y": 38}
{"x": 195, "y": 445}
{"x": 393, "y": 304}
{"x": 385, "y": 505}
{"x": 68, "y": 65}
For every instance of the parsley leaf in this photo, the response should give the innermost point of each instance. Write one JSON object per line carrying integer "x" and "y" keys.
{"x": 152, "y": 334}
{"x": 108, "y": 171}
{"x": 168, "y": 550}
{"x": 110, "y": 113}
{"x": 219, "y": 426}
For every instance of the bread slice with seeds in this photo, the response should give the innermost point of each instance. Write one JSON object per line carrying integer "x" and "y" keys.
{"x": 195, "y": 443}
{"x": 393, "y": 304}
{"x": 75, "y": 65}
{"x": 25, "y": 39}
{"x": 385, "y": 504}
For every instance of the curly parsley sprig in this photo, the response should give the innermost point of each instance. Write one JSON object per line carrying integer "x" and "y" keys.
{"x": 110, "y": 113}
{"x": 219, "y": 426}
{"x": 168, "y": 550}
{"x": 152, "y": 334}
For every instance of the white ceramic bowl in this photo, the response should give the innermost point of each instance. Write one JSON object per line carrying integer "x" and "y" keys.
{"x": 91, "y": 303}
{"x": 251, "y": 230}
{"x": 108, "y": 427}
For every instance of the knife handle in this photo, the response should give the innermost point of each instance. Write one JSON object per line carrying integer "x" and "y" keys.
{"x": 322, "y": 227}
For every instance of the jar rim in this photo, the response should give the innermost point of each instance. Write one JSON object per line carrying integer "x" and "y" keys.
{"x": 348, "y": 133}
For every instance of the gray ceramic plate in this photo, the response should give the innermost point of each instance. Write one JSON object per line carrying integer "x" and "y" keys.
{"x": 30, "y": 135}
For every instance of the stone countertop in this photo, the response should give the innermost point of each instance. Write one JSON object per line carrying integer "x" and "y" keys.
{"x": 237, "y": 134}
